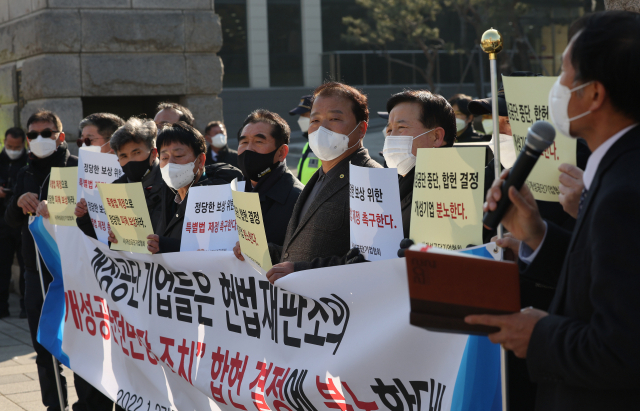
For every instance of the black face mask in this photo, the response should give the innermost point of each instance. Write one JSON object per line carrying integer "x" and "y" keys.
{"x": 255, "y": 165}
{"x": 135, "y": 170}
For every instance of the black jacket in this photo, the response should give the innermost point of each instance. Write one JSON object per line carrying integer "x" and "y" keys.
{"x": 172, "y": 214}
{"x": 225, "y": 155}
{"x": 470, "y": 135}
{"x": 278, "y": 191}
{"x": 321, "y": 238}
{"x": 584, "y": 355}
{"x": 152, "y": 185}
{"x": 8, "y": 172}
{"x": 34, "y": 178}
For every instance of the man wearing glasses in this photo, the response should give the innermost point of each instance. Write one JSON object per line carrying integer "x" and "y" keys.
{"x": 96, "y": 130}
{"x": 47, "y": 149}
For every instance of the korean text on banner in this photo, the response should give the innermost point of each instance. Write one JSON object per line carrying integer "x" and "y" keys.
{"x": 128, "y": 215}
{"x": 448, "y": 193}
{"x": 375, "y": 216}
{"x": 528, "y": 102}
{"x": 61, "y": 198}
{"x": 210, "y": 220}
{"x": 95, "y": 168}
{"x": 250, "y": 226}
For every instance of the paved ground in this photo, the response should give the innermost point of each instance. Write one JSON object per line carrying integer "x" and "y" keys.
{"x": 19, "y": 386}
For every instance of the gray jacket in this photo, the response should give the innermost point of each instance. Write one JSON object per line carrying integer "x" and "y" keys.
{"x": 321, "y": 238}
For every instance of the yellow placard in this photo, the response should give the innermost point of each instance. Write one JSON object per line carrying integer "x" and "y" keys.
{"x": 250, "y": 226}
{"x": 448, "y": 192}
{"x": 128, "y": 216}
{"x": 61, "y": 197}
{"x": 528, "y": 102}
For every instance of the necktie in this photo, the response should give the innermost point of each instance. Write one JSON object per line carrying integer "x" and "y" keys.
{"x": 583, "y": 196}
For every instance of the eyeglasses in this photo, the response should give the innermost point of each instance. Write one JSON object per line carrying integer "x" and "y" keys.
{"x": 86, "y": 141}
{"x": 46, "y": 133}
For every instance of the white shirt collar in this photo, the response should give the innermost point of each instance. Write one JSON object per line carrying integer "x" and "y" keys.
{"x": 597, "y": 156}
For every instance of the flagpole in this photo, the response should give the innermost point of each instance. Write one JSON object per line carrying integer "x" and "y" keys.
{"x": 492, "y": 44}
{"x": 44, "y": 294}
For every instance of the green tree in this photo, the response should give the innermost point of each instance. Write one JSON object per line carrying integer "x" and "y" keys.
{"x": 406, "y": 22}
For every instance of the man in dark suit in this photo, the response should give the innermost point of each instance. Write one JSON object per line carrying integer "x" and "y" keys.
{"x": 584, "y": 352}
{"x": 263, "y": 145}
{"x": 318, "y": 233}
{"x": 219, "y": 152}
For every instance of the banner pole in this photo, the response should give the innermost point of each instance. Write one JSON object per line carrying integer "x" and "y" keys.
{"x": 492, "y": 44}
{"x": 44, "y": 294}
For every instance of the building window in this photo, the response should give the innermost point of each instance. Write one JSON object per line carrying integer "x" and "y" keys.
{"x": 234, "y": 55}
{"x": 285, "y": 42}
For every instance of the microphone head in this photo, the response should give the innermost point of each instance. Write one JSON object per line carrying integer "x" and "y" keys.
{"x": 540, "y": 136}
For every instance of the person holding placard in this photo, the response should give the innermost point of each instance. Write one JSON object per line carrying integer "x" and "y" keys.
{"x": 96, "y": 130}
{"x": 318, "y": 232}
{"x": 263, "y": 145}
{"x": 135, "y": 146}
{"x": 182, "y": 166}
{"x": 583, "y": 352}
{"x": 48, "y": 149}
{"x": 417, "y": 119}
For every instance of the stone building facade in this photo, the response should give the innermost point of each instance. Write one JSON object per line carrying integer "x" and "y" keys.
{"x": 72, "y": 55}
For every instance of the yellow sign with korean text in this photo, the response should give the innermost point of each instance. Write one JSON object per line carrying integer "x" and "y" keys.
{"x": 250, "y": 226}
{"x": 128, "y": 216}
{"x": 61, "y": 197}
{"x": 448, "y": 192}
{"x": 528, "y": 102}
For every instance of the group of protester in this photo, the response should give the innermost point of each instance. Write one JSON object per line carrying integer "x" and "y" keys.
{"x": 580, "y": 351}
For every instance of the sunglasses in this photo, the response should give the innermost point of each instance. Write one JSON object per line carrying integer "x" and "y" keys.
{"x": 46, "y": 133}
{"x": 86, "y": 141}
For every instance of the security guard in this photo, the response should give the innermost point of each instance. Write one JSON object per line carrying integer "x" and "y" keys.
{"x": 309, "y": 163}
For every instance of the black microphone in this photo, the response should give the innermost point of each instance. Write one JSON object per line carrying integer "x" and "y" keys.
{"x": 539, "y": 138}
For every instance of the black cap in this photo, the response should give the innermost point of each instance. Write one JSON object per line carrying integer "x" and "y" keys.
{"x": 383, "y": 114}
{"x": 303, "y": 107}
{"x": 483, "y": 106}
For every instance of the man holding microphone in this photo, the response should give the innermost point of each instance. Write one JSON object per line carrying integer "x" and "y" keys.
{"x": 583, "y": 353}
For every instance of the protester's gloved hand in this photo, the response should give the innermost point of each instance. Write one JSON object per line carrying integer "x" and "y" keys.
{"x": 354, "y": 256}
{"x": 404, "y": 245}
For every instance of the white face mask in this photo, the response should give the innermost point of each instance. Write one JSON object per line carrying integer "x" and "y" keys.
{"x": 42, "y": 147}
{"x": 460, "y": 124}
{"x": 219, "y": 140}
{"x": 508, "y": 153}
{"x": 303, "y": 122}
{"x": 13, "y": 154}
{"x": 488, "y": 126}
{"x": 178, "y": 175}
{"x": 397, "y": 152}
{"x": 328, "y": 145}
{"x": 559, "y": 97}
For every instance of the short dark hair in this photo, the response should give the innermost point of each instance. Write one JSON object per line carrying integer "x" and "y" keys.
{"x": 213, "y": 124}
{"x": 358, "y": 99}
{"x": 607, "y": 50}
{"x": 136, "y": 130}
{"x": 280, "y": 130}
{"x": 436, "y": 111}
{"x": 182, "y": 133}
{"x": 185, "y": 113}
{"x": 45, "y": 116}
{"x": 106, "y": 123}
{"x": 462, "y": 101}
{"x": 16, "y": 132}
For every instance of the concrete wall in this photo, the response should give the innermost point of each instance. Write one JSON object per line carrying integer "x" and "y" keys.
{"x": 69, "y": 49}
